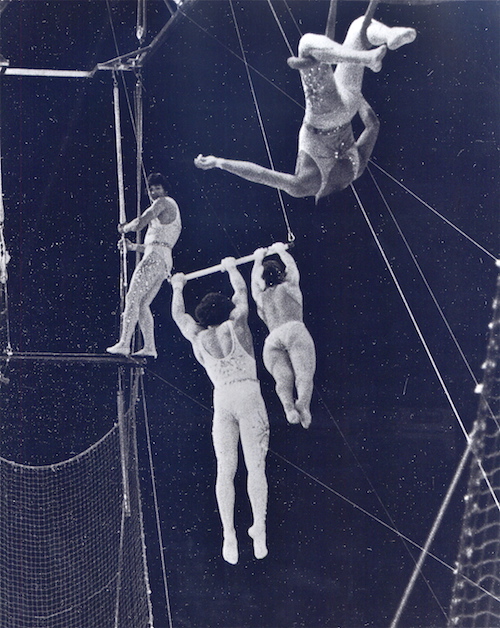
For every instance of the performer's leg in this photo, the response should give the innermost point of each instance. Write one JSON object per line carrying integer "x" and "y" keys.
{"x": 325, "y": 50}
{"x": 303, "y": 358}
{"x": 139, "y": 285}
{"x": 350, "y": 75}
{"x": 254, "y": 430}
{"x": 277, "y": 362}
{"x": 393, "y": 36}
{"x": 304, "y": 182}
{"x": 225, "y": 434}
{"x": 146, "y": 320}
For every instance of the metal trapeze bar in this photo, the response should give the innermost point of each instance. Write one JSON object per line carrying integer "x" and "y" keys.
{"x": 218, "y": 267}
{"x": 129, "y": 61}
{"x": 82, "y": 358}
{"x": 50, "y": 73}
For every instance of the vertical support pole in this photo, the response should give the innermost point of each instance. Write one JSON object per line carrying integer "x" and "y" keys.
{"x": 139, "y": 132}
{"x": 121, "y": 188}
{"x": 331, "y": 20}
{"x": 124, "y": 441}
{"x": 370, "y": 11}
{"x": 140, "y": 29}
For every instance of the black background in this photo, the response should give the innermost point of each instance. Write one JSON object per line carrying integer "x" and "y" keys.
{"x": 384, "y": 443}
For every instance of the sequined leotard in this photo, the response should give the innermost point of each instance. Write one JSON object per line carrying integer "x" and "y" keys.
{"x": 321, "y": 137}
{"x": 161, "y": 238}
{"x": 237, "y": 394}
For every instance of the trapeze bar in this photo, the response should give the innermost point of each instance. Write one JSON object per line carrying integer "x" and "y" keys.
{"x": 53, "y": 73}
{"x": 218, "y": 267}
{"x": 93, "y": 358}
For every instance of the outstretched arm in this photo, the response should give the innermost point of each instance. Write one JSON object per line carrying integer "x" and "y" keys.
{"x": 291, "y": 268}
{"x": 240, "y": 295}
{"x": 184, "y": 321}
{"x": 366, "y": 141}
{"x": 258, "y": 285}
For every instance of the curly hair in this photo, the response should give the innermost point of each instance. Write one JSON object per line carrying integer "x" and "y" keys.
{"x": 213, "y": 309}
{"x": 273, "y": 273}
{"x": 157, "y": 179}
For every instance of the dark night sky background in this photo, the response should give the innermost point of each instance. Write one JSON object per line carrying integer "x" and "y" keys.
{"x": 383, "y": 431}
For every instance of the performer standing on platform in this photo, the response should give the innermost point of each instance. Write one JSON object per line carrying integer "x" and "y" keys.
{"x": 329, "y": 158}
{"x": 289, "y": 353}
{"x": 163, "y": 220}
{"x": 222, "y": 344}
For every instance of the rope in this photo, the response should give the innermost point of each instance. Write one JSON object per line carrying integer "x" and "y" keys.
{"x": 292, "y": 17}
{"x": 382, "y": 523}
{"x": 328, "y": 488}
{"x": 331, "y": 20}
{"x": 432, "y": 534}
{"x": 423, "y": 341}
{"x": 140, "y": 29}
{"x": 155, "y": 500}
{"x": 290, "y": 234}
{"x": 124, "y": 445}
{"x": 121, "y": 191}
{"x": 231, "y": 52}
{"x": 280, "y": 28}
{"x": 370, "y": 11}
{"x": 374, "y": 491}
{"x": 431, "y": 293}
{"x": 448, "y": 222}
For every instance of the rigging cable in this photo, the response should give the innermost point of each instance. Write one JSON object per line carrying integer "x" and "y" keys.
{"x": 431, "y": 293}
{"x": 4, "y": 260}
{"x": 375, "y": 492}
{"x": 422, "y": 340}
{"x": 121, "y": 190}
{"x": 140, "y": 29}
{"x": 380, "y": 521}
{"x": 155, "y": 500}
{"x": 437, "y": 522}
{"x": 328, "y": 488}
{"x": 446, "y": 220}
{"x": 290, "y": 234}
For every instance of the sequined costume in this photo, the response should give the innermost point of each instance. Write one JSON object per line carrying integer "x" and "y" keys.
{"x": 321, "y": 137}
{"x": 161, "y": 239}
{"x": 237, "y": 395}
{"x": 147, "y": 279}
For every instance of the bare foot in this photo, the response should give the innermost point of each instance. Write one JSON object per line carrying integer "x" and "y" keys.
{"x": 399, "y": 36}
{"x": 292, "y": 416}
{"x": 305, "y": 414}
{"x": 144, "y": 352}
{"x": 259, "y": 541}
{"x": 206, "y": 163}
{"x": 378, "y": 55}
{"x": 119, "y": 349}
{"x": 230, "y": 549}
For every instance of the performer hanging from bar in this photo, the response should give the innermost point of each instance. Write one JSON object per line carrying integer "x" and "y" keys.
{"x": 163, "y": 220}
{"x": 222, "y": 344}
{"x": 329, "y": 158}
{"x": 289, "y": 353}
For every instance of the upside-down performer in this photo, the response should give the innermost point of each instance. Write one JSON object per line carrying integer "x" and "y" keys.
{"x": 289, "y": 353}
{"x": 163, "y": 220}
{"x": 222, "y": 344}
{"x": 329, "y": 158}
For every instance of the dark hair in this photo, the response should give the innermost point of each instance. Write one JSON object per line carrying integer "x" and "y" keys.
{"x": 213, "y": 309}
{"x": 273, "y": 273}
{"x": 157, "y": 179}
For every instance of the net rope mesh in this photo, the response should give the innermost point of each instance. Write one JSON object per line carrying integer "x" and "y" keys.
{"x": 478, "y": 560}
{"x": 70, "y": 556}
